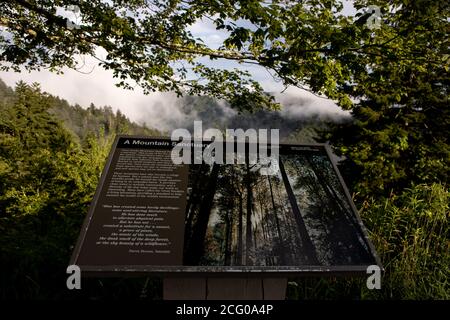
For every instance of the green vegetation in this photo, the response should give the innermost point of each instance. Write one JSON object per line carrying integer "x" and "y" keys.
{"x": 47, "y": 182}
{"x": 411, "y": 235}
{"x": 48, "y": 176}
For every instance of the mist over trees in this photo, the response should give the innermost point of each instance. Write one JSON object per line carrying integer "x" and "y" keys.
{"x": 302, "y": 126}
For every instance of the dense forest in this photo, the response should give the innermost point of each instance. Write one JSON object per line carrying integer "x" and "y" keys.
{"x": 82, "y": 122}
{"x": 51, "y": 157}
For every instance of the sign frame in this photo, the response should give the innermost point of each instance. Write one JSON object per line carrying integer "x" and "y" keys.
{"x": 220, "y": 271}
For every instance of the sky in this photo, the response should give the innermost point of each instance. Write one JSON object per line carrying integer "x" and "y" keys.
{"x": 96, "y": 85}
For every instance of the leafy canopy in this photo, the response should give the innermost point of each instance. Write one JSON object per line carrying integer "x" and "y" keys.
{"x": 309, "y": 44}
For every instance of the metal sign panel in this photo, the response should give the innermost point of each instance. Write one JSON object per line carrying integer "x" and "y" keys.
{"x": 152, "y": 216}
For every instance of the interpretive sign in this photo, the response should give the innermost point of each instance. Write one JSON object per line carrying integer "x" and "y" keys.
{"x": 151, "y": 215}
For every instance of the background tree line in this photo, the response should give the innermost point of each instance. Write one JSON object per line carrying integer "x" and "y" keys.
{"x": 48, "y": 175}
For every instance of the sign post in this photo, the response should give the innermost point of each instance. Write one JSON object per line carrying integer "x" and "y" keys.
{"x": 228, "y": 288}
{"x": 221, "y": 231}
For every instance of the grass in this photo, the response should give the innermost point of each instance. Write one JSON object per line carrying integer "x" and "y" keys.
{"x": 411, "y": 235}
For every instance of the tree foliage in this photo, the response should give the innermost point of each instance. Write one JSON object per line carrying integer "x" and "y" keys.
{"x": 46, "y": 184}
{"x": 400, "y": 136}
{"x": 309, "y": 43}
{"x": 394, "y": 78}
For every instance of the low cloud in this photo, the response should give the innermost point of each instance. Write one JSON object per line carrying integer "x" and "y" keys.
{"x": 298, "y": 103}
{"x": 163, "y": 111}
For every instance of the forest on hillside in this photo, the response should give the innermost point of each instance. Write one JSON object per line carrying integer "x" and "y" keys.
{"x": 51, "y": 157}
{"x": 82, "y": 121}
{"x": 299, "y": 217}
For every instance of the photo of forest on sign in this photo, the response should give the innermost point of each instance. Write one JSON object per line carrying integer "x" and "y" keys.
{"x": 237, "y": 217}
